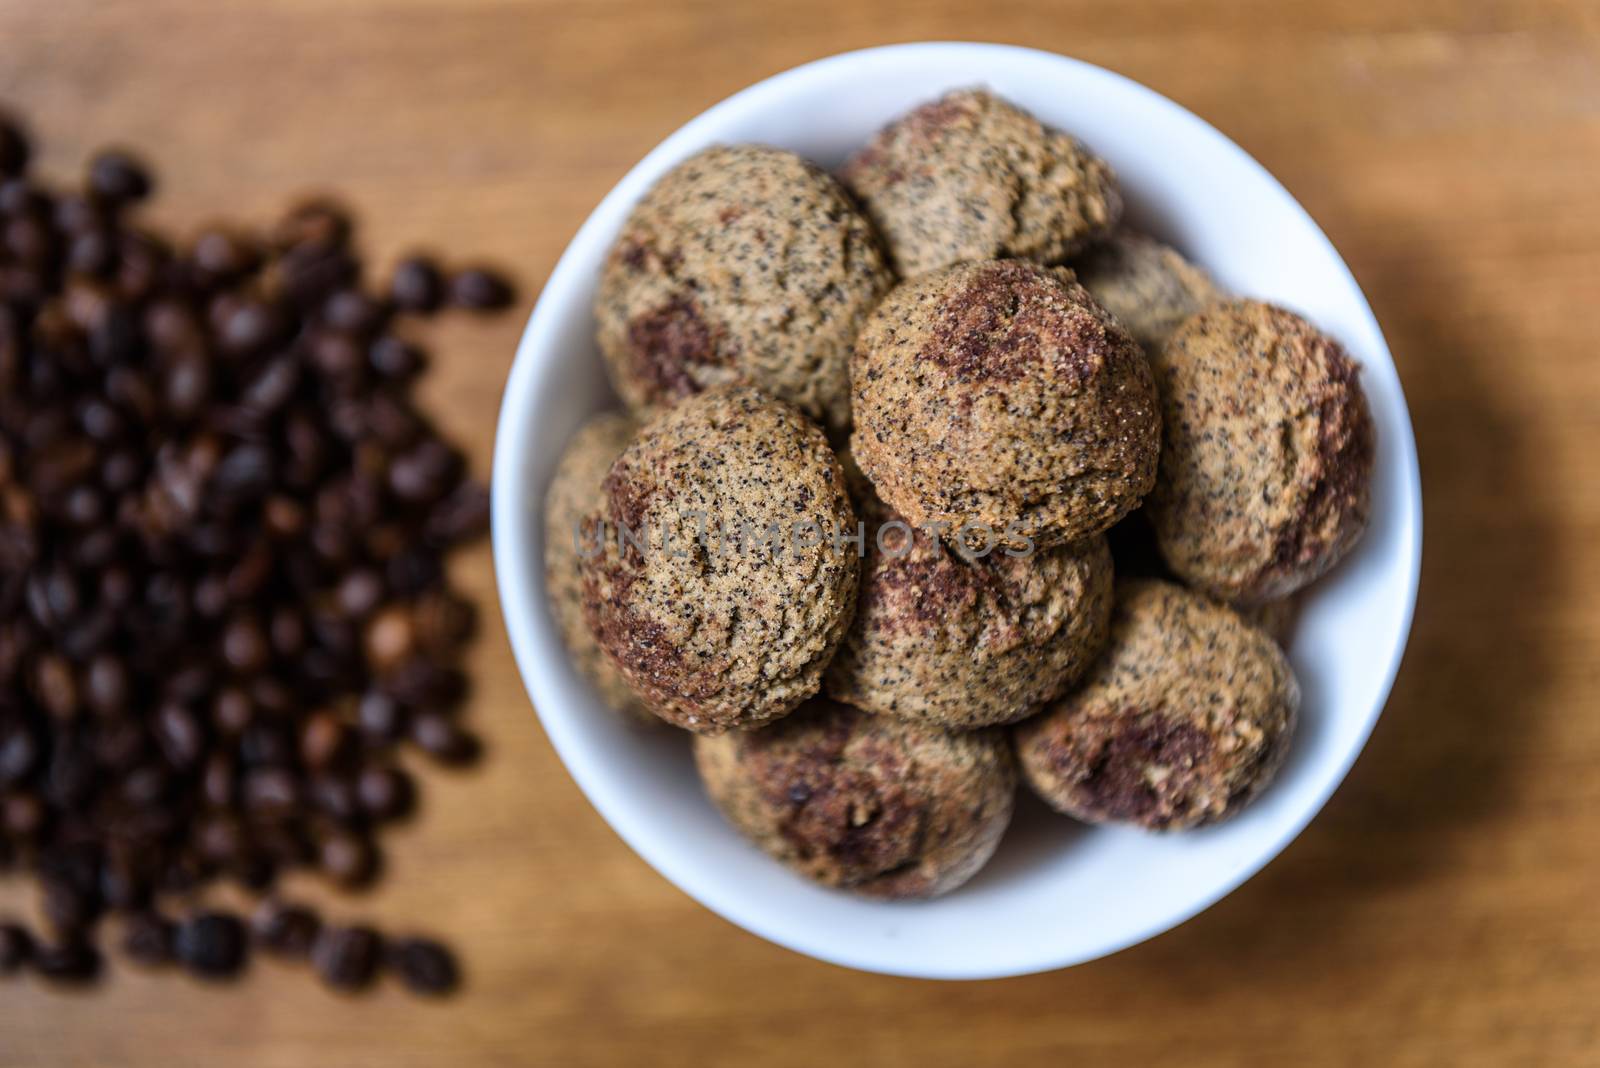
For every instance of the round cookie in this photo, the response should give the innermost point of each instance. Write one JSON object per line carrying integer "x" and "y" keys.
{"x": 744, "y": 265}
{"x": 1185, "y": 718}
{"x": 710, "y": 626}
{"x": 1001, "y": 394}
{"x": 868, "y": 803}
{"x": 973, "y": 177}
{"x": 574, "y": 493}
{"x": 1266, "y": 463}
{"x": 947, "y": 637}
{"x": 1148, "y": 287}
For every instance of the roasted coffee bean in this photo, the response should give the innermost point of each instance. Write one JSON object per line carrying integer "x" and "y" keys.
{"x": 116, "y": 178}
{"x": 286, "y": 930}
{"x": 380, "y": 717}
{"x": 222, "y": 254}
{"x": 425, "y": 966}
{"x": 148, "y": 938}
{"x": 441, "y": 738}
{"x": 390, "y": 638}
{"x": 394, "y": 358}
{"x": 106, "y": 691}
{"x": 16, "y": 945}
{"x": 352, "y": 312}
{"x": 14, "y": 149}
{"x": 348, "y": 859}
{"x": 418, "y": 285}
{"x": 347, "y": 957}
{"x": 223, "y": 524}
{"x": 322, "y": 740}
{"x": 315, "y": 223}
{"x": 69, "y": 961}
{"x": 481, "y": 289}
{"x": 360, "y": 592}
{"x": 384, "y": 793}
{"x": 212, "y": 945}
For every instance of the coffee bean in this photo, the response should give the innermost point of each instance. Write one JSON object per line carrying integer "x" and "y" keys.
{"x": 352, "y": 312}
{"x": 418, "y": 285}
{"x": 348, "y": 859}
{"x": 385, "y": 793}
{"x": 19, "y": 754}
{"x": 425, "y": 966}
{"x": 250, "y": 327}
{"x": 70, "y": 961}
{"x": 16, "y": 946}
{"x": 322, "y": 740}
{"x": 439, "y": 737}
{"x": 106, "y": 691}
{"x": 244, "y": 645}
{"x": 148, "y": 938}
{"x": 380, "y": 717}
{"x": 14, "y": 149}
{"x": 315, "y": 223}
{"x": 223, "y": 525}
{"x": 286, "y": 930}
{"x": 347, "y": 957}
{"x": 116, "y": 177}
{"x": 394, "y": 358}
{"x": 222, "y": 254}
{"x": 390, "y": 637}
{"x": 212, "y": 945}
{"x": 360, "y": 592}
{"x": 480, "y": 289}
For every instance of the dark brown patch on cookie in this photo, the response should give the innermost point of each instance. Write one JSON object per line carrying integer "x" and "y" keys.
{"x": 932, "y": 119}
{"x": 628, "y": 497}
{"x": 1116, "y": 784}
{"x": 667, "y": 341}
{"x": 845, "y": 812}
{"x": 1004, "y": 320}
{"x": 1336, "y": 507}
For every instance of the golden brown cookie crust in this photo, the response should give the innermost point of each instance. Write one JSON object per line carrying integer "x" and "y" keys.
{"x": 1001, "y": 394}
{"x": 1149, "y": 287}
{"x": 744, "y": 265}
{"x": 1267, "y": 459}
{"x": 869, "y": 803}
{"x": 1186, "y": 717}
{"x": 713, "y": 630}
{"x": 952, "y": 639}
{"x": 574, "y": 493}
{"x": 972, "y": 177}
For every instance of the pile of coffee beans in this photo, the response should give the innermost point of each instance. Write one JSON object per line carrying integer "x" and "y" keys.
{"x": 223, "y": 601}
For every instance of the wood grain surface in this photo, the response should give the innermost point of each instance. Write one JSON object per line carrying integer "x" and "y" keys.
{"x": 1441, "y": 911}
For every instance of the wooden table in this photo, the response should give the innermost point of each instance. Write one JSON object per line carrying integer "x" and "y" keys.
{"x": 1442, "y": 910}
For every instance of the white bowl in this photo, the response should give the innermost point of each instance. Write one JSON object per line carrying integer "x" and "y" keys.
{"x": 1057, "y": 893}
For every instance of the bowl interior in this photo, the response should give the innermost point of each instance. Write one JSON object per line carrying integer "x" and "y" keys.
{"x": 1057, "y": 893}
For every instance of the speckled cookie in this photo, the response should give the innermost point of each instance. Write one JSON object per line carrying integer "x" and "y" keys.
{"x": 1186, "y": 717}
{"x": 1000, "y": 393}
{"x": 950, "y": 638}
{"x": 1266, "y": 464}
{"x": 973, "y": 177}
{"x": 1148, "y": 286}
{"x": 712, "y": 627}
{"x": 573, "y": 494}
{"x": 744, "y": 265}
{"x": 873, "y": 804}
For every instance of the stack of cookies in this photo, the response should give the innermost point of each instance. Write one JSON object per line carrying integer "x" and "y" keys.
{"x": 934, "y": 477}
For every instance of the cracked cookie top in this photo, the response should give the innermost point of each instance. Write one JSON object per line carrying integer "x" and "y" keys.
{"x": 743, "y": 265}
{"x": 711, "y": 574}
{"x": 972, "y": 177}
{"x": 1267, "y": 453}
